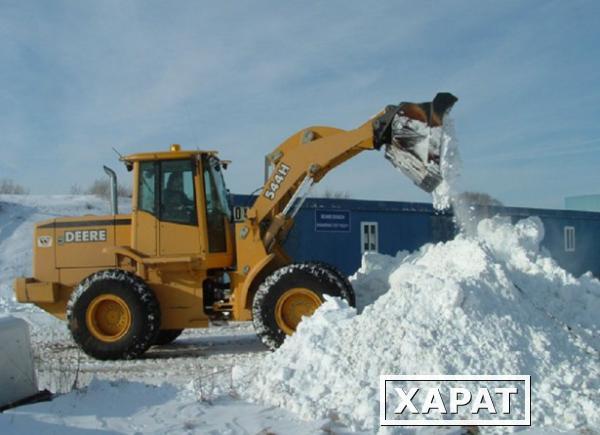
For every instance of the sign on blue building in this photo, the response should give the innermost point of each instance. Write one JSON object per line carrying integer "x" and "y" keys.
{"x": 330, "y": 220}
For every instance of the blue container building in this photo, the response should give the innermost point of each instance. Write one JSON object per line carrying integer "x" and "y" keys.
{"x": 339, "y": 231}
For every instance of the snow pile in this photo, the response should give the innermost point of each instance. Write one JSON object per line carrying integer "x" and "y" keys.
{"x": 18, "y": 214}
{"x": 371, "y": 280}
{"x": 491, "y": 304}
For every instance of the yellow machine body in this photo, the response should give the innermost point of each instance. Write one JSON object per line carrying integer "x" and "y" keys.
{"x": 186, "y": 250}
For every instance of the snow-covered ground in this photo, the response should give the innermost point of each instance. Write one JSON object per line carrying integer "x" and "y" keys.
{"x": 490, "y": 302}
{"x": 133, "y": 407}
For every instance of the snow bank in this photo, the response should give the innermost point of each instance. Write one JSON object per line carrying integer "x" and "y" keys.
{"x": 491, "y": 304}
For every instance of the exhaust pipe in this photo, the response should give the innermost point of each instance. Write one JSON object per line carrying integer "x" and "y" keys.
{"x": 113, "y": 190}
{"x": 412, "y": 136}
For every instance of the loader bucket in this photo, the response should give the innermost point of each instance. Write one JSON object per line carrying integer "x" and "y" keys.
{"x": 413, "y": 138}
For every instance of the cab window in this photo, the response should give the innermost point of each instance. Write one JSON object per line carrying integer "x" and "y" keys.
{"x": 217, "y": 206}
{"x": 147, "y": 187}
{"x": 177, "y": 200}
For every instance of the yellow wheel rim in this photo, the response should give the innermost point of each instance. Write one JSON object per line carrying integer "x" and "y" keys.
{"x": 108, "y": 318}
{"x": 293, "y": 305}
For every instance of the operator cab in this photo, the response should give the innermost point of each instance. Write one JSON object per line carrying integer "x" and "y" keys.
{"x": 181, "y": 206}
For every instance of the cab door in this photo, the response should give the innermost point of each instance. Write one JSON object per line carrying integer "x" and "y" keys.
{"x": 217, "y": 214}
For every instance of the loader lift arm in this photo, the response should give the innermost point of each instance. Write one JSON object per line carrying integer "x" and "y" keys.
{"x": 307, "y": 156}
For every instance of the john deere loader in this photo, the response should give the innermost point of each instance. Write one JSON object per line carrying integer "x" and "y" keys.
{"x": 125, "y": 282}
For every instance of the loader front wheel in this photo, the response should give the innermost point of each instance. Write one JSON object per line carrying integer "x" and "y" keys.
{"x": 289, "y": 294}
{"x": 113, "y": 314}
{"x": 343, "y": 282}
{"x": 293, "y": 305}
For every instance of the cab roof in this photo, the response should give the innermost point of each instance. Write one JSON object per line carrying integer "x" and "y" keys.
{"x": 174, "y": 153}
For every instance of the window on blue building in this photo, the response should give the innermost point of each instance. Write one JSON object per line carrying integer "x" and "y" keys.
{"x": 369, "y": 237}
{"x": 569, "y": 239}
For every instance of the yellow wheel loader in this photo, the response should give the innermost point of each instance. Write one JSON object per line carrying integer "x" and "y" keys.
{"x": 125, "y": 282}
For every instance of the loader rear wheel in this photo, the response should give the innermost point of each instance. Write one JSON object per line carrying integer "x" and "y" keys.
{"x": 113, "y": 314}
{"x": 287, "y": 295}
{"x": 166, "y": 336}
{"x": 108, "y": 318}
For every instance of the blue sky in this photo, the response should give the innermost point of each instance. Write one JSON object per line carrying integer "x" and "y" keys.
{"x": 78, "y": 78}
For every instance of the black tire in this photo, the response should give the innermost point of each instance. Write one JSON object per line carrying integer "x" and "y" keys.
{"x": 143, "y": 315}
{"x": 166, "y": 336}
{"x": 318, "y": 280}
{"x": 345, "y": 286}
